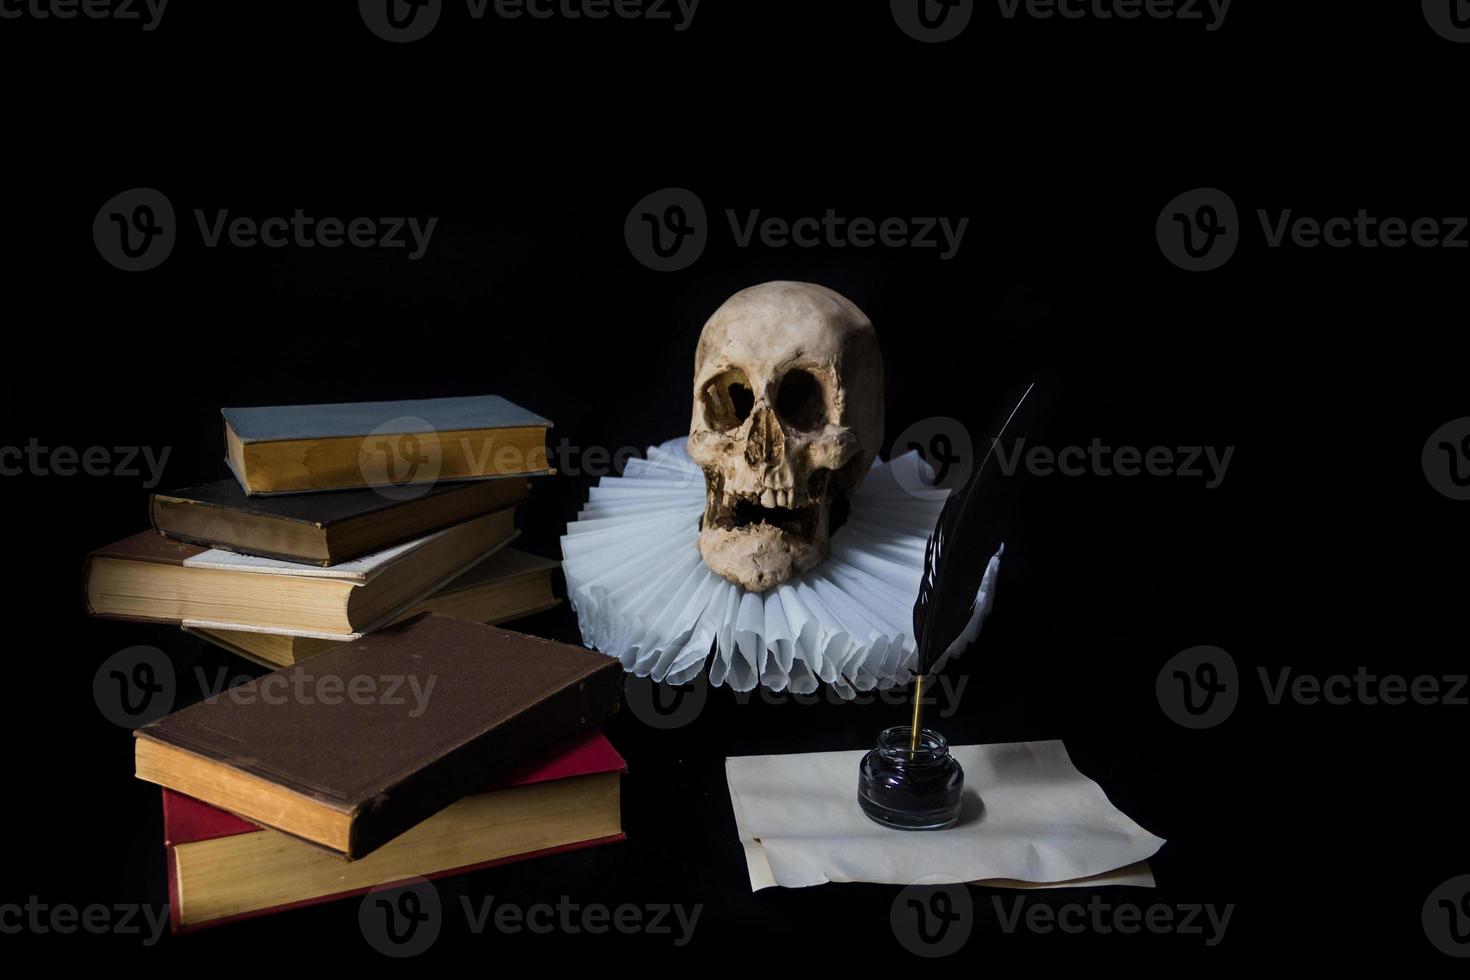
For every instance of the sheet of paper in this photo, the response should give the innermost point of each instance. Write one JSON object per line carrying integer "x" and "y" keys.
{"x": 1030, "y": 819}
{"x": 357, "y": 570}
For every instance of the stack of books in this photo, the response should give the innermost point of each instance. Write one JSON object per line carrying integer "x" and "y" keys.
{"x": 362, "y": 547}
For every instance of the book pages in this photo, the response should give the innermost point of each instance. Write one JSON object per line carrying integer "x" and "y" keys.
{"x": 357, "y": 570}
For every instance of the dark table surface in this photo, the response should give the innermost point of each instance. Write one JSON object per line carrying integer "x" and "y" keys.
{"x": 1328, "y": 550}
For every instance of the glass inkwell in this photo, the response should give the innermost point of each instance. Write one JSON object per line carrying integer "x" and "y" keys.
{"x": 911, "y": 784}
{"x": 909, "y": 781}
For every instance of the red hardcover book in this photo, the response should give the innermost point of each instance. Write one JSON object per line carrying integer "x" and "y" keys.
{"x": 222, "y": 868}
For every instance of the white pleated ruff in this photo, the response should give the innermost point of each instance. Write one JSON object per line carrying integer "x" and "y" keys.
{"x": 643, "y": 594}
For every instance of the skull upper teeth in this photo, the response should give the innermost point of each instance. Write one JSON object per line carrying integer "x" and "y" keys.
{"x": 768, "y": 497}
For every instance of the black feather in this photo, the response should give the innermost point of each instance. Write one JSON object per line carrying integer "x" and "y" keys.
{"x": 965, "y": 537}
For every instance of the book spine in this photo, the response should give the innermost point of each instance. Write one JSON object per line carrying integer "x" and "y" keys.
{"x": 177, "y": 913}
{"x": 574, "y": 709}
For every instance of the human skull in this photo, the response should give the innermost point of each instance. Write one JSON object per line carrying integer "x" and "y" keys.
{"x": 788, "y": 415}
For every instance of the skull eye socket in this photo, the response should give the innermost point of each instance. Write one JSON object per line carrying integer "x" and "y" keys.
{"x": 728, "y": 399}
{"x": 800, "y": 401}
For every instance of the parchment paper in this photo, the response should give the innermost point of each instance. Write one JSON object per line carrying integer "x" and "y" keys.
{"x": 1030, "y": 819}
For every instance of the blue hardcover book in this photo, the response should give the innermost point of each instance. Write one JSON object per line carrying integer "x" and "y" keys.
{"x": 299, "y": 448}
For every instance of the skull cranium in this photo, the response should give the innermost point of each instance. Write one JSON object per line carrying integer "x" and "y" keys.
{"x": 788, "y": 415}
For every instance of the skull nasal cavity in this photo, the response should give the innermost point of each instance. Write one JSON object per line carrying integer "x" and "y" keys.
{"x": 767, "y": 444}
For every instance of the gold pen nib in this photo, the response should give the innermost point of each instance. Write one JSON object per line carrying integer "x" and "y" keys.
{"x": 918, "y": 722}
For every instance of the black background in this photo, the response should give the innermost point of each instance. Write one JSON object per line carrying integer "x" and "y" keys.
{"x": 1325, "y": 548}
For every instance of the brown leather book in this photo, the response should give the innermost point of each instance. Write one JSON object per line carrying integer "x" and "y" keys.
{"x": 321, "y": 528}
{"x": 358, "y": 745}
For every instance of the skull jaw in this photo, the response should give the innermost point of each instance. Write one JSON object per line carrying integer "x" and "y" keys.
{"x": 760, "y": 557}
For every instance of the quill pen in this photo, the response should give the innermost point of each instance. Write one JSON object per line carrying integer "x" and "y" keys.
{"x": 964, "y": 547}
